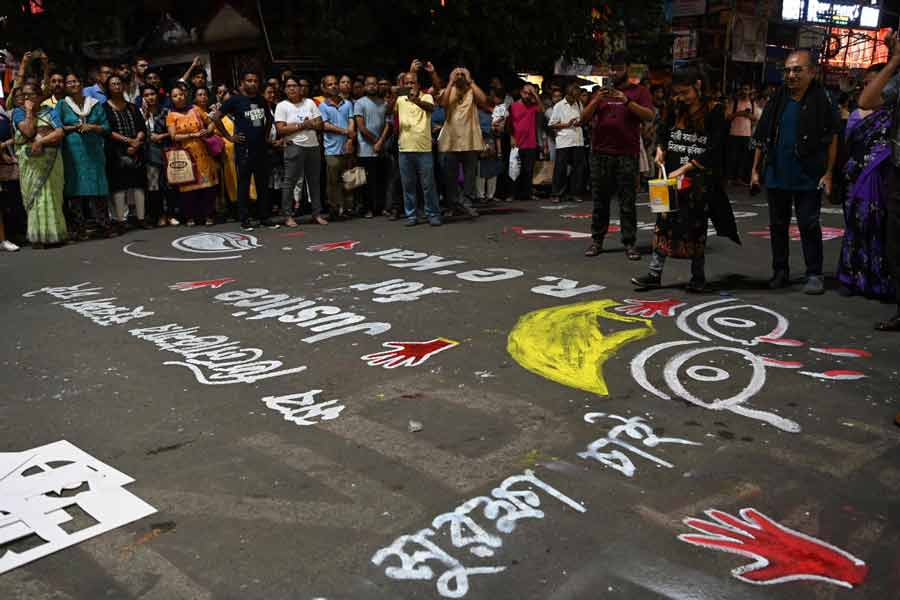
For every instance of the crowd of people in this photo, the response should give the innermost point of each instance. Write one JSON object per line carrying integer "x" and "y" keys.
{"x": 421, "y": 147}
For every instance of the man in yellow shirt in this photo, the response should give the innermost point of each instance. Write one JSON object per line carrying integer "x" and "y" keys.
{"x": 57, "y": 89}
{"x": 416, "y": 162}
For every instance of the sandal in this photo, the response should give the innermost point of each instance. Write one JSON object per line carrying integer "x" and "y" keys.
{"x": 892, "y": 324}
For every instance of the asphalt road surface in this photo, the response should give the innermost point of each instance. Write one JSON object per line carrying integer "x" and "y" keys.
{"x": 543, "y": 433}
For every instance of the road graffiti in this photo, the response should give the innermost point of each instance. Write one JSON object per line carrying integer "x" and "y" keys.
{"x": 565, "y": 343}
{"x": 302, "y": 409}
{"x": 186, "y": 286}
{"x": 204, "y": 243}
{"x": 399, "y": 290}
{"x": 828, "y": 233}
{"x": 779, "y": 554}
{"x": 650, "y": 308}
{"x": 547, "y": 234}
{"x": 44, "y": 491}
{"x": 328, "y": 247}
{"x": 636, "y": 428}
{"x": 407, "y": 354}
{"x": 505, "y": 507}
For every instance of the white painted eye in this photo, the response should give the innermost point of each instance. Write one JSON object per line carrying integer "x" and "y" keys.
{"x": 728, "y": 320}
{"x": 216, "y": 242}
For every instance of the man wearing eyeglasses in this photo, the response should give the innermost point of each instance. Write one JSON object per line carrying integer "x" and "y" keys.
{"x": 796, "y": 143}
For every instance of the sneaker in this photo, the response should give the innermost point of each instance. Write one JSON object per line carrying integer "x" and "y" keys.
{"x": 269, "y": 225}
{"x": 779, "y": 280}
{"x": 369, "y": 215}
{"x": 174, "y": 222}
{"x": 246, "y": 226}
{"x": 210, "y": 222}
{"x": 8, "y": 246}
{"x": 648, "y": 281}
{"x": 594, "y": 249}
{"x": 435, "y": 222}
{"x": 393, "y": 216}
{"x": 632, "y": 253}
{"x": 411, "y": 223}
{"x": 814, "y": 286}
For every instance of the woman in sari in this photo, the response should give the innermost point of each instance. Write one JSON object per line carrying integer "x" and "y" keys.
{"x": 125, "y": 165}
{"x": 85, "y": 127}
{"x": 188, "y": 127}
{"x": 863, "y": 267}
{"x": 690, "y": 147}
{"x": 38, "y": 136}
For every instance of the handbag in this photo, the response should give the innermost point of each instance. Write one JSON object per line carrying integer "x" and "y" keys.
{"x": 663, "y": 194}
{"x": 180, "y": 169}
{"x": 215, "y": 145}
{"x": 354, "y": 178}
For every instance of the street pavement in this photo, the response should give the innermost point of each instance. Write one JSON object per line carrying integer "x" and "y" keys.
{"x": 524, "y": 425}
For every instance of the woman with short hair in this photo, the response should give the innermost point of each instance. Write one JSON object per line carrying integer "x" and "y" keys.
{"x": 125, "y": 164}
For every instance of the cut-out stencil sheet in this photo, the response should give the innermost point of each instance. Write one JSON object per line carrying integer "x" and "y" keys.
{"x": 48, "y": 493}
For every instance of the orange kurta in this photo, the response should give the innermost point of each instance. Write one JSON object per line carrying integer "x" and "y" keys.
{"x": 193, "y": 121}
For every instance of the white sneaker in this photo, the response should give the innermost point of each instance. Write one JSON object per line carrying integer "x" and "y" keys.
{"x": 9, "y": 246}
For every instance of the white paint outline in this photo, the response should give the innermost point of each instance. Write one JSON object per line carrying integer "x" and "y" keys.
{"x": 128, "y": 251}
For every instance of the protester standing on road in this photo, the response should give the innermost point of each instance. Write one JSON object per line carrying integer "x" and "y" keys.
{"x": 125, "y": 166}
{"x": 460, "y": 140}
{"x": 615, "y": 113}
{"x": 885, "y": 89}
{"x": 864, "y": 267}
{"x": 38, "y": 136}
{"x": 298, "y": 119}
{"x": 188, "y": 127}
{"x": 522, "y": 122}
{"x": 742, "y": 114}
{"x": 340, "y": 135}
{"x": 86, "y": 189}
{"x": 159, "y": 200}
{"x": 690, "y": 147}
{"x": 799, "y": 133}
{"x": 416, "y": 161}
{"x": 369, "y": 113}
{"x": 252, "y": 125}
{"x": 568, "y": 167}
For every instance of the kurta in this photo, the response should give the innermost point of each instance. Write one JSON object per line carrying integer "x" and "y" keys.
{"x": 207, "y": 169}
{"x": 124, "y": 171}
{"x": 682, "y": 233}
{"x": 84, "y": 154}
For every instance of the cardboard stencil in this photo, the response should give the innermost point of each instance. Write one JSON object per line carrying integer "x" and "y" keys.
{"x": 44, "y": 489}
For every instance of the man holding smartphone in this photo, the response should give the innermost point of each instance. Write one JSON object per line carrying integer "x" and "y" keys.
{"x": 798, "y": 132}
{"x": 616, "y": 112}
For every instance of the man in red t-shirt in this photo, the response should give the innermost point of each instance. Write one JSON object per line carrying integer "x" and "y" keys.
{"x": 523, "y": 116}
{"x": 616, "y": 114}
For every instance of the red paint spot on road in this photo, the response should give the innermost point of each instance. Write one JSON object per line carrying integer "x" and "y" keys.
{"x": 845, "y": 352}
{"x": 781, "y": 342}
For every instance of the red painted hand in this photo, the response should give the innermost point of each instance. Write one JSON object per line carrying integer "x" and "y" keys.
{"x": 407, "y": 354}
{"x": 650, "y": 308}
{"x": 780, "y": 554}
{"x": 183, "y": 286}
{"x": 345, "y": 245}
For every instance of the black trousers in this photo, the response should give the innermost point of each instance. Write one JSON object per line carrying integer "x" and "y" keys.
{"x": 563, "y": 181}
{"x": 614, "y": 174}
{"x": 252, "y": 163}
{"x": 740, "y": 160}
{"x": 808, "y": 204}
{"x": 373, "y": 193}
{"x": 523, "y": 186}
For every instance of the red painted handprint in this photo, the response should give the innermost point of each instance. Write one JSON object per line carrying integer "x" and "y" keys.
{"x": 183, "y": 286}
{"x": 407, "y": 354}
{"x": 781, "y": 554}
{"x": 650, "y": 308}
{"x": 345, "y": 245}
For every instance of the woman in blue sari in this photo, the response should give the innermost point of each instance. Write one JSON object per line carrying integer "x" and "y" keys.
{"x": 863, "y": 268}
{"x": 86, "y": 127}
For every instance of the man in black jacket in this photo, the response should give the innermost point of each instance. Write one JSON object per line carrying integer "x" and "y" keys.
{"x": 798, "y": 136}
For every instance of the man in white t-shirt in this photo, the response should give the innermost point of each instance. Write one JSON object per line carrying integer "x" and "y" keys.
{"x": 297, "y": 119}
{"x": 742, "y": 114}
{"x": 565, "y": 120}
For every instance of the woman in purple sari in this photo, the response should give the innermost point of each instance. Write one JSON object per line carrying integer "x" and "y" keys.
{"x": 863, "y": 268}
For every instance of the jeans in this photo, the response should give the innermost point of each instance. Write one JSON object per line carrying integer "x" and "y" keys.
{"x": 469, "y": 162}
{"x": 252, "y": 163}
{"x": 339, "y": 199}
{"x": 523, "y": 185}
{"x": 376, "y": 182}
{"x": 563, "y": 181}
{"x": 807, "y": 203}
{"x": 418, "y": 166}
{"x": 301, "y": 163}
{"x": 698, "y": 264}
{"x": 613, "y": 173}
